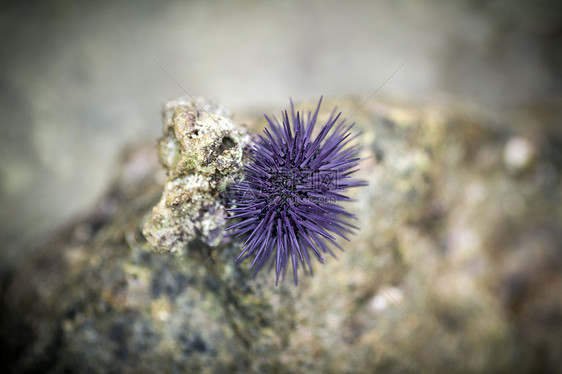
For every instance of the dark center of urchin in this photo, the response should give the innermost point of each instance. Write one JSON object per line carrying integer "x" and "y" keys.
{"x": 286, "y": 207}
{"x": 286, "y": 186}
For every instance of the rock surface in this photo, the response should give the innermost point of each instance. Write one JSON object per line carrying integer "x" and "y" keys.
{"x": 202, "y": 152}
{"x": 456, "y": 268}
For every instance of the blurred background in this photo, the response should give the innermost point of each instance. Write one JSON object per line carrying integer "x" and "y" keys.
{"x": 81, "y": 80}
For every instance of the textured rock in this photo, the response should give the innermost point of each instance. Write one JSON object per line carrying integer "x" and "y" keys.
{"x": 201, "y": 151}
{"x": 456, "y": 268}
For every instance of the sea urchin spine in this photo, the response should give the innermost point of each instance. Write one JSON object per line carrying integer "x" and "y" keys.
{"x": 286, "y": 206}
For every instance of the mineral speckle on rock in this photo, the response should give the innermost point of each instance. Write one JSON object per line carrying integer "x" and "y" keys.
{"x": 202, "y": 151}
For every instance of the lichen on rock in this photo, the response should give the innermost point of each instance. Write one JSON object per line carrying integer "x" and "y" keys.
{"x": 202, "y": 150}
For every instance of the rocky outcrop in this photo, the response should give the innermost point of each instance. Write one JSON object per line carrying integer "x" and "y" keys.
{"x": 456, "y": 266}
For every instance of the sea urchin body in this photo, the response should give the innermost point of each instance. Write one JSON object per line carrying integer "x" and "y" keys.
{"x": 286, "y": 207}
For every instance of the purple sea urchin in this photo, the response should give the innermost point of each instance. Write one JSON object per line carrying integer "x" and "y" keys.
{"x": 286, "y": 206}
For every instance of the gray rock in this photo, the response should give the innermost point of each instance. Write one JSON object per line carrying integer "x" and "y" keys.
{"x": 456, "y": 267}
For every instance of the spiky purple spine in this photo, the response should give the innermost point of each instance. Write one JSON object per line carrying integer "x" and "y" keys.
{"x": 287, "y": 203}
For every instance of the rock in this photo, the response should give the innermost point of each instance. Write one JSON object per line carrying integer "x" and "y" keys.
{"x": 456, "y": 266}
{"x": 202, "y": 152}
